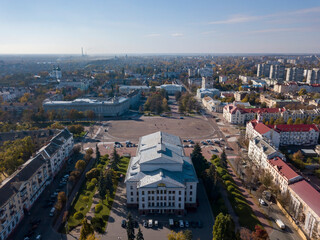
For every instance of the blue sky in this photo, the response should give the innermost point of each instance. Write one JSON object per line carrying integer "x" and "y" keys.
{"x": 167, "y": 26}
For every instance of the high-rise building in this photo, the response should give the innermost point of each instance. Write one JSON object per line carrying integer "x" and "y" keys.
{"x": 294, "y": 74}
{"x": 277, "y": 72}
{"x": 263, "y": 70}
{"x": 313, "y": 76}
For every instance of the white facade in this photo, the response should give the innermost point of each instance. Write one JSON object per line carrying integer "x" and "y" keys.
{"x": 255, "y": 128}
{"x": 171, "y": 89}
{"x": 160, "y": 179}
{"x": 223, "y": 79}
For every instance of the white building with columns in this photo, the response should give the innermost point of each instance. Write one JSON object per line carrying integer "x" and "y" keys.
{"x": 160, "y": 178}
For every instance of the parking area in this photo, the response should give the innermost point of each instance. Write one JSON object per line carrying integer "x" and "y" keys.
{"x": 120, "y": 211}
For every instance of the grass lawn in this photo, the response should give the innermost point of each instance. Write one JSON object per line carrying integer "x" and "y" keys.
{"x": 80, "y": 206}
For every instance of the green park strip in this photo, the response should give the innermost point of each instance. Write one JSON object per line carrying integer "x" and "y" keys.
{"x": 82, "y": 203}
{"x": 241, "y": 207}
{"x": 102, "y": 212}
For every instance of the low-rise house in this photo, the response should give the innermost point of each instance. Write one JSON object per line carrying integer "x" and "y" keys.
{"x": 213, "y": 105}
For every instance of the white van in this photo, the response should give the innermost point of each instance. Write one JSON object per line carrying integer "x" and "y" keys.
{"x": 280, "y": 224}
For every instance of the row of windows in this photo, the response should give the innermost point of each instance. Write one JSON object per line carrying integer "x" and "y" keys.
{"x": 162, "y": 205}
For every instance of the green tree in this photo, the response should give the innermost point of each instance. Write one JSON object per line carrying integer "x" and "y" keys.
{"x": 102, "y": 186}
{"x": 80, "y": 165}
{"x": 223, "y": 159}
{"x": 93, "y": 173}
{"x": 223, "y": 228}
{"x": 271, "y": 122}
{"x": 279, "y": 121}
{"x": 130, "y": 227}
{"x": 199, "y": 162}
{"x": 98, "y": 154}
{"x": 290, "y": 121}
{"x": 302, "y": 92}
{"x": 188, "y": 235}
{"x": 298, "y": 121}
{"x": 139, "y": 235}
{"x": 86, "y": 230}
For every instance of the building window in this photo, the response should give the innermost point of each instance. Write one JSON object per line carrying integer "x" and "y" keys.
{"x": 131, "y": 193}
{"x": 190, "y": 186}
{"x": 165, "y": 191}
{"x": 143, "y": 199}
{"x": 179, "y": 199}
{"x": 157, "y": 191}
{"x": 179, "y": 205}
{"x": 179, "y": 192}
{"x": 131, "y": 199}
{"x": 131, "y": 187}
{"x": 191, "y": 199}
{"x": 190, "y": 192}
{"x": 142, "y": 192}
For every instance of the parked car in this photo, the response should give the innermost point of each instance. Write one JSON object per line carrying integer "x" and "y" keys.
{"x": 150, "y": 224}
{"x": 156, "y": 223}
{"x": 123, "y": 223}
{"x": 187, "y": 224}
{"x": 262, "y": 202}
{"x": 38, "y": 237}
{"x": 181, "y": 224}
{"x": 171, "y": 223}
{"x": 52, "y": 211}
{"x": 144, "y": 223}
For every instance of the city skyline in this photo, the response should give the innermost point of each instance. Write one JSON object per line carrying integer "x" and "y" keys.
{"x": 164, "y": 27}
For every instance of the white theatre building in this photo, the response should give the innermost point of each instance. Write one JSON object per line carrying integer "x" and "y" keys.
{"x": 160, "y": 178}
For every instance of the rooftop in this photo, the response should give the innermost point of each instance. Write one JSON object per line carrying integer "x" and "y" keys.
{"x": 308, "y": 194}
{"x": 283, "y": 168}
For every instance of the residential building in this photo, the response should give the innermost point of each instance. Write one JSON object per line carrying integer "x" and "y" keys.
{"x": 245, "y": 79}
{"x": 160, "y": 178}
{"x": 283, "y": 134}
{"x": 277, "y": 72}
{"x": 56, "y": 73}
{"x": 294, "y": 74}
{"x": 282, "y": 174}
{"x": 263, "y": 70}
{"x": 239, "y": 95}
{"x": 82, "y": 84}
{"x": 223, "y": 79}
{"x": 20, "y": 190}
{"x": 235, "y": 115}
{"x": 274, "y": 102}
{"x": 306, "y": 207}
{"x": 213, "y": 105}
{"x": 313, "y": 76}
{"x": 261, "y": 151}
{"x": 256, "y": 128}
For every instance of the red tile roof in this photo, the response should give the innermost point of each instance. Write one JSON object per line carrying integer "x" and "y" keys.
{"x": 283, "y": 168}
{"x": 294, "y": 128}
{"x": 308, "y": 194}
{"x": 232, "y": 109}
{"x": 260, "y": 127}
